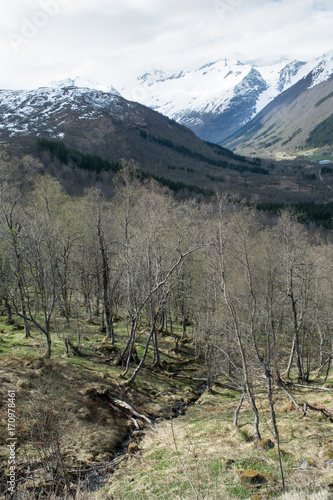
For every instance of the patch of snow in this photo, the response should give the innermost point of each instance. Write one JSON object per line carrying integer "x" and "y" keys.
{"x": 27, "y": 110}
{"x": 212, "y": 87}
{"x": 84, "y": 83}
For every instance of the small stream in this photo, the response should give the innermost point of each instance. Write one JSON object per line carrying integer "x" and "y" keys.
{"x": 96, "y": 477}
{"x": 180, "y": 405}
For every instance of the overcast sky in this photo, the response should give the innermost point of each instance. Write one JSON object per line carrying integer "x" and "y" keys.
{"x": 110, "y": 41}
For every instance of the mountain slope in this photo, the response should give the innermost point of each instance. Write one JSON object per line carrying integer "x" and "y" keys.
{"x": 105, "y": 124}
{"x": 216, "y": 100}
{"x": 286, "y": 124}
{"x": 89, "y": 126}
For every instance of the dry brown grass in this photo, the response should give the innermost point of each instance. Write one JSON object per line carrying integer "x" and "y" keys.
{"x": 197, "y": 455}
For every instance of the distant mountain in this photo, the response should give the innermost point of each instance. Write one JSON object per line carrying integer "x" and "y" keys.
{"x": 217, "y": 99}
{"x": 104, "y": 124}
{"x": 299, "y": 118}
{"x": 84, "y": 83}
{"x": 82, "y": 135}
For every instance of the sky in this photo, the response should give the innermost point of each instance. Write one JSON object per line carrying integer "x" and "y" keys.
{"x": 114, "y": 41}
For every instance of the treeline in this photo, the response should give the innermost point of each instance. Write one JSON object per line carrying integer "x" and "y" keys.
{"x": 175, "y": 186}
{"x": 258, "y": 297}
{"x": 295, "y": 134}
{"x": 322, "y": 134}
{"x": 319, "y": 213}
{"x": 95, "y": 163}
{"x": 82, "y": 160}
{"x": 321, "y": 101}
{"x": 217, "y": 149}
{"x": 228, "y": 153}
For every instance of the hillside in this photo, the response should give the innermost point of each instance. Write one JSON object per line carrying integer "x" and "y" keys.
{"x": 290, "y": 123}
{"x": 147, "y": 346}
{"x": 106, "y": 125}
{"x": 189, "y": 444}
{"x": 82, "y": 128}
{"x": 145, "y": 342}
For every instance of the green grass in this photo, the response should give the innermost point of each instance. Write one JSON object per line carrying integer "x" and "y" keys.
{"x": 209, "y": 452}
{"x": 198, "y": 453}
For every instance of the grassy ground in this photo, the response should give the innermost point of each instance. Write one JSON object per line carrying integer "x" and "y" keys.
{"x": 197, "y": 455}
{"x": 200, "y": 455}
{"x": 316, "y": 154}
{"x": 73, "y": 392}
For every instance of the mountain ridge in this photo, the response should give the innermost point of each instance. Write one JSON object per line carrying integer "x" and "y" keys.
{"x": 104, "y": 124}
{"x": 99, "y": 123}
{"x": 216, "y": 99}
{"x": 286, "y": 124}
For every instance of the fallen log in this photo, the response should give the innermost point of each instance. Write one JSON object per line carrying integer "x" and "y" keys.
{"x": 307, "y": 407}
{"x": 123, "y": 405}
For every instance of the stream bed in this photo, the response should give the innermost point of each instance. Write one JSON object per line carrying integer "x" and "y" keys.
{"x": 96, "y": 477}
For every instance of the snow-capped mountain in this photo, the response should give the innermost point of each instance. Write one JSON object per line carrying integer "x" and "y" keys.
{"x": 48, "y": 109}
{"x": 298, "y": 119}
{"x": 107, "y": 125}
{"x": 85, "y": 83}
{"x": 217, "y": 99}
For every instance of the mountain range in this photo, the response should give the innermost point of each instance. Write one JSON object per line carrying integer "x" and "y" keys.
{"x": 299, "y": 119}
{"x": 219, "y": 98}
{"x": 96, "y": 123}
{"x": 77, "y": 117}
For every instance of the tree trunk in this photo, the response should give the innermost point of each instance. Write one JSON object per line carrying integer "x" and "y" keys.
{"x": 138, "y": 368}
{"x": 8, "y": 309}
{"x": 252, "y": 402}
{"x": 107, "y": 300}
{"x": 235, "y": 423}
{"x": 49, "y": 344}
{"x": 291, "y": 357}
{"x": 127, "y": 351}
{"x": 157, "y": 357}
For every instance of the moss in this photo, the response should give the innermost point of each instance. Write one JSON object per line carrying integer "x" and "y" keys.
{"x": 107, "y": 348}
{"x": 266, "y": 444}
{"x": 250, "y": 477}
{"x": 132, "y": 448}
{"x": 268, "y": 477}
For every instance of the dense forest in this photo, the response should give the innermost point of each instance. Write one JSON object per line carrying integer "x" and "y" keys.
{"x": 94, "y": 163}
{"x": 322, "y": 134}
{"x": 319, "y": 213}
{"x": 257, "y": 292}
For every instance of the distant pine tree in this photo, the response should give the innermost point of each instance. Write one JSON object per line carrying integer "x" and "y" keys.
{"x": 322, "y": 134}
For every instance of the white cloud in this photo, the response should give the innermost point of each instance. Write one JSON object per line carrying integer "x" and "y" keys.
{"x": 44, "y": 40}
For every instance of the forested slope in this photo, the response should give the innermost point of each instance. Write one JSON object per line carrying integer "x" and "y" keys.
{"x": 140, "y": 288}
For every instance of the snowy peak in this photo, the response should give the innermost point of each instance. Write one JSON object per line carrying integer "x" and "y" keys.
{"x": 214, "y": 100}
{"x": 218, "y": 98}
{"x": 150, "y": 78}
{"x": 287, "y": 74}
{"x": 251, "y": 84}
{"x": 83, "y": 83}
{"x": 323, "y": 69}
{"x": 54, "y": 110}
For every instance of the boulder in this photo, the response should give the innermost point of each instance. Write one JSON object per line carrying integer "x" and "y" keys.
{"x": 107, "y": 348}
{"x": 268, "y": 477}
